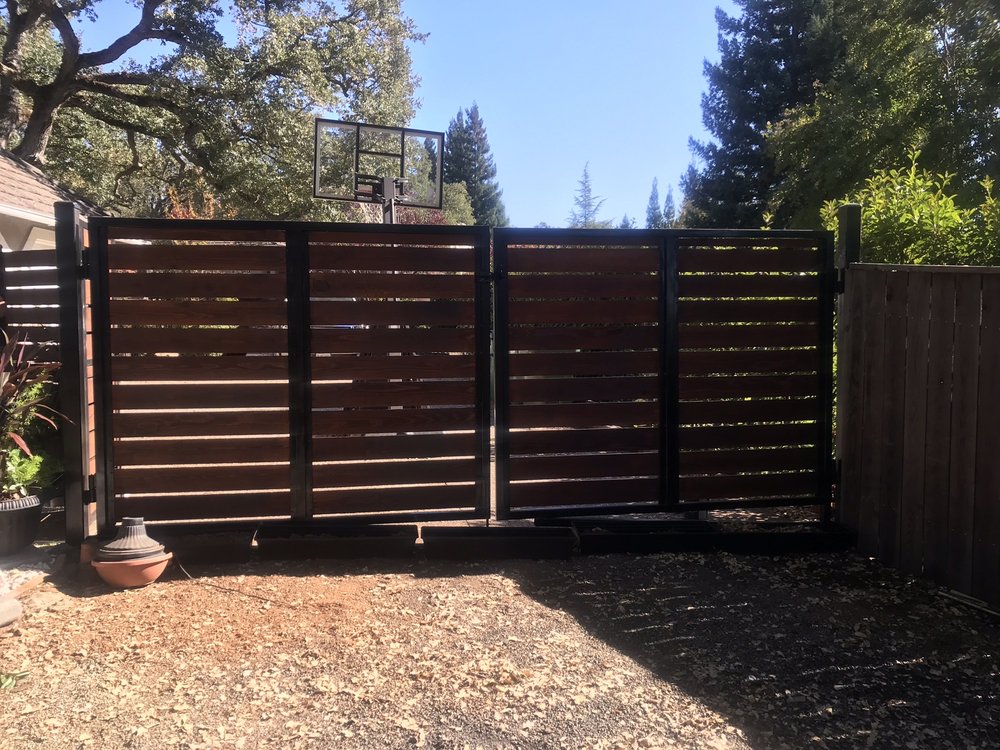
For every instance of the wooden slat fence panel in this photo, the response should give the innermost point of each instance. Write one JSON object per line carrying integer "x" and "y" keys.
{"x": 749, "y": 312}
{"x": 394, "y": 370}
{"x": 585, "y": 341}
{"x": 920, "y": 478}
{"x": 198, "y": 363}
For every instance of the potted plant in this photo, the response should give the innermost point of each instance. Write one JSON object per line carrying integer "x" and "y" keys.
{"x": 23, "y": 385}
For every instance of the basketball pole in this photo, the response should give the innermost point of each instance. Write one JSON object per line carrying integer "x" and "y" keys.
{"x": 388, "y": 200}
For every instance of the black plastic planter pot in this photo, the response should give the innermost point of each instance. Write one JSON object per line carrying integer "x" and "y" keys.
{"x": 19, "y": 519}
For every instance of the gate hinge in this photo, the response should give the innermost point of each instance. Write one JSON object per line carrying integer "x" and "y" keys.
{"x": 840, "y": 284}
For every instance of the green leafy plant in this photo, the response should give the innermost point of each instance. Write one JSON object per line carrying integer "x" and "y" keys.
{"x": 912, "y": 216}
{"x": 23, "y": 383}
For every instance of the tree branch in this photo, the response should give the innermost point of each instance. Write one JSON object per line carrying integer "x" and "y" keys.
{"x": 88, "y": 108}
{"x": 139, "y": 33}
{"x": 139, "y": 100}
{"x": 71, "y": 45}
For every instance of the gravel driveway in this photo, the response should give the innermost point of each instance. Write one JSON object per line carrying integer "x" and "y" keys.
{"x": 690, "y": 651}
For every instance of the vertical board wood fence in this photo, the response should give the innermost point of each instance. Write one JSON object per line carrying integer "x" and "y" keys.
{"x": 921, "y": 421}
{"x": 652, "y": 371}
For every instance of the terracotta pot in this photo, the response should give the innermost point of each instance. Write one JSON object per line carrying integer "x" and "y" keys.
{"x": 19, "y": 518}
{"x": 130, "y": 574}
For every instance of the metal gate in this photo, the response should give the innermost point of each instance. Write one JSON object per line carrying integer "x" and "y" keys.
{"x": 662, "y": 371}
{"x": 286, "y": 370}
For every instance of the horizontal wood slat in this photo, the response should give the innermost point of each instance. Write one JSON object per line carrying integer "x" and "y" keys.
{"x": 435, "y": 497}
{"x": 381, "y": 473}
{"x": 758, "y": 410}
{"x": 410, "y": 285}
{"x": 636, "y": 260}
{"x": 583, "y": 441}
{"x": 599, "y": 491}
{"x": 205, "y": 478}
{"x": 195, "y": 258}
{"x": 702, "y": 259}
{"x": 192, "y": 230}
{"x": 742, "y": 386}
{"x": 30, "y": 276}
{"x": 227, "y": 449}
{"x": 161, "y": 424}
{"x": 446, "y": 393}
{"x": 585, "y": 363}
{"x": 741, "y": 311}
{"x": 132, "y": 395}
{"x": 196, "y": 313}
{"x": 392, "y": 420}
{"x": 202, "y": 506}
{"x": 747, "y": 436}
{"x": 243, "y": 285}
{"x": 29, "y": 259}
{"x": 572, "y": 337}
{"x": 731, "y": 461}
{"x": 585, "y": 415}
{"x": 374, "y": 367}
{"x": 748, "y": 361}
{"x": 584, "y": 466}
{"x": 584, "y": 311}
{"x": 748, "y": 285}
{"x": 391, "y": 258}
{"x": 199, "y": 368}
{"x": 36, "y": 315}
{"x": 241, "y": 340}
{"x": 565, "y": 286}
{"x": 448, "y": 313}
{"x": 411, "y": 238}
{"x": 740, "y": 486}
{"x": 582, "y": 389}
{"x": 47, "y": 296}
{"x": 381, "y": 340}
{"x": 372, "y": 447}
{"x": 738, "y": 336}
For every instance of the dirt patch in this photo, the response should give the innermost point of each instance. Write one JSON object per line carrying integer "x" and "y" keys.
{"x": 699, "y": 651}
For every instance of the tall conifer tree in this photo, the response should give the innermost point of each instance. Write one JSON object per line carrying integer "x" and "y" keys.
{"x": 772, "y": 56}
{"x": 654, "y": 216}
{"x": 467, "y": 158}
{"x": 587, "y": 205}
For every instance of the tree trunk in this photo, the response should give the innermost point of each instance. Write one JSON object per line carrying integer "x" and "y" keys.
{"x": 39, "y": 127}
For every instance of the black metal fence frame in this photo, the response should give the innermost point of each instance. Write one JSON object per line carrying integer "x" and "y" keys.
{"x": 669, "y": 448}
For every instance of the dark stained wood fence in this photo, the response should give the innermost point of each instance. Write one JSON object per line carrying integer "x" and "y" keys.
{"x": 278, "y": 370}
{"x": 650, "y": 371}
{"x": 920, "y": 421}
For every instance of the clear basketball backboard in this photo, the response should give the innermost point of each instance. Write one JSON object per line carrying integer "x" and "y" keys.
{"x": 352, "y": 161}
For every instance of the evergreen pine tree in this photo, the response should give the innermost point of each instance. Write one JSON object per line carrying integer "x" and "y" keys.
{"x": 627, "y": 223}
{"x": 771, "y": 58}
{"x": 654, "y": 217}
{"x": 467, "y": 158}
{"x": 669, "y": 209}
{"x": 584, "y": 216}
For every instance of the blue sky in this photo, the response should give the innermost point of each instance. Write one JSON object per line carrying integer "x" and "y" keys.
{"x": 560, "y": 84}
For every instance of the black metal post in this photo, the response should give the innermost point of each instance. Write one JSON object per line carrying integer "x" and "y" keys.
{"x": 388, "y": 200}
{"x": 72, "y": 373}
{"x": 827, "y": 303}
{"x": 849, "y": 217}
{"x": 484, "y": 368}
{"x": 100, "y": 311}
{"x": 299, "y": 373}
{"x": 501, "y": 373}
{"x": 669, "y": 374}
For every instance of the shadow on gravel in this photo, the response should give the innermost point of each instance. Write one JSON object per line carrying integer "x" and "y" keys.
{"x": 824, "y": 651}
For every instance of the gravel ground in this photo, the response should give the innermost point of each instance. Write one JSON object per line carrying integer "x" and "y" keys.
{"x": 690, "y": 651}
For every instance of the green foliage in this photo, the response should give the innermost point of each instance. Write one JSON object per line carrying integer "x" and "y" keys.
{"x": 23, "y": 390}
{"x": 771, "y": 55}
{"x": 654, "y": 215}
{"x": 916, "y": 75}
{"x": 455, "y": 209}
{"x": 669, "y": 208}
{"x": 587, "y": 206}
{"x": 626, "y": 222}
{"x": 468, "y": 160}
{"x": 912, "y": 216}
{"x": 226, "y": 117}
